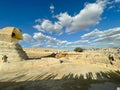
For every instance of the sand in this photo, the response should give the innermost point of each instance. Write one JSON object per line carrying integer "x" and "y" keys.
{"x": 49, "y": 74}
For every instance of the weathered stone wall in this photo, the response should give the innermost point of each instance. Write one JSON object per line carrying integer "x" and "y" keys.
{"x": 4, "y": 37}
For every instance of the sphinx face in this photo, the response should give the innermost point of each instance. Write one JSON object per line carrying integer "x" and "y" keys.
{"x": 10, "y": 34}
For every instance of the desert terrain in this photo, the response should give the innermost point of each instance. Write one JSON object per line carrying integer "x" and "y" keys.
{"x": 52, "y": 69}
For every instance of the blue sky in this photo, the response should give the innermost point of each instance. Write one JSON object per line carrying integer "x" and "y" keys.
{"x": 64, "y": 24}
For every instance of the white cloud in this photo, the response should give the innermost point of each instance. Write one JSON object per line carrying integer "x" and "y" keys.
{"x": 78, "y": 42}
{"x": 94, "y": 33}
{"x": 62, "y": 42}
{"x": 48, "y": 26}
{"x": 64, "y": 19}
{"x": 52, "y": 8}
{"x": 52, "y": 41}
{"x": 88, "y": 16}
{"x": 41, "y": 40}
{"x": 111, "y": 7}
{"x": 38, "y": 20}
{"x": 110, "y": 32}
{"x": 27, "y": 38}
{"x": 38, "y": 27}
{"x": 109, "y": 35}
{"x": 37, "y": 45}
{"x": 40, "y": 37}
{"x": 108, "y": 38}
{"x": 104, "y": 35}
{"x": 117, "y": 1}
{"x": 105, "y": 38}
{"x": 84, "y": 41}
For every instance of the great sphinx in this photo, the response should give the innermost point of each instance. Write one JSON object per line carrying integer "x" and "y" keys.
{"x": 9, "y": 46}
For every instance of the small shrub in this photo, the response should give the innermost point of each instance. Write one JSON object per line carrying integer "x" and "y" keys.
{"x": 78, "y": 49}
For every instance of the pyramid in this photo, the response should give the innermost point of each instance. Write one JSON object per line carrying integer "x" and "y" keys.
{"x": 9, "y": 46}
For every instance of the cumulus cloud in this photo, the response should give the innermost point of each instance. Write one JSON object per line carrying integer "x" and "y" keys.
{"x": 41, "y": 40}
{"x": 48, "y": 26}
{"x": 48, "y": 40}
{"x": 88, "y": 16}
{"x": 39, "y": 37}
{"x": 101, "y": 38}
{"x": 38, "y": 27}
{"x": 27, "y": 38}
{"x": 52, "y": 41}
{"x": 64, "y": 19}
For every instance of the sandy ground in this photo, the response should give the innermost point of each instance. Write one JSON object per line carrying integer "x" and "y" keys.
{"x": 89, "y": 70}
{"x": 61, "y": 76}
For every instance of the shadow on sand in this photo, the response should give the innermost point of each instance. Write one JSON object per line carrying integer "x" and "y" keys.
{"x": 39, "y": 57}
{"x": 67, "y": 82}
